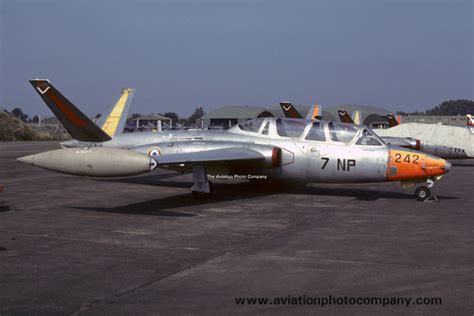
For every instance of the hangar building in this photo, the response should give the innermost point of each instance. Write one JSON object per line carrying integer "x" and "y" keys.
{"x": 228, "y": 116}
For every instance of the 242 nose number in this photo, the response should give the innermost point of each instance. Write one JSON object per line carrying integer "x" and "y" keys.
{"x": 408, "y": 158}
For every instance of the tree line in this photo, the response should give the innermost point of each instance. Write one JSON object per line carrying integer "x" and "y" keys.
{"x": 190, "y": 120}
{"x": 451, "y": 107}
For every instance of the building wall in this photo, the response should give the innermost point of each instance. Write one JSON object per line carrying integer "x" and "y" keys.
{"x": 445, "y": 120}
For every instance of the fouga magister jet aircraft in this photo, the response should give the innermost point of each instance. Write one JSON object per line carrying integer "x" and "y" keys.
{"x": 263, "y": 148}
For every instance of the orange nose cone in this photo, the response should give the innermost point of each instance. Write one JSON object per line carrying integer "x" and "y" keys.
{"x": 435, "y": 166}
{"x": 411, "y": 165}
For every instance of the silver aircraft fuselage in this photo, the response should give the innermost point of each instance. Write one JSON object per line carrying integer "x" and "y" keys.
{"x": 335, "y": 152}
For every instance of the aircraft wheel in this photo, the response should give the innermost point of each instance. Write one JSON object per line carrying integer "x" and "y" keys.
{"x": 422, "y": 193}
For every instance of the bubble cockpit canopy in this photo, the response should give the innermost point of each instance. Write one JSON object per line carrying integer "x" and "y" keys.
{"x": 310, "y": 130}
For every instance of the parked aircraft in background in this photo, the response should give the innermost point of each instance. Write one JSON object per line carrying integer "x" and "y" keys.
{"x": 345, "y": 117}
{"x": 314, "y": 113}
{"x": 449, "y": 142}
{"x": 264, "y": 148}
{"x": 396, "y": 141}
{"x": 392, "y": 121}
{"x": 470, "y": 123}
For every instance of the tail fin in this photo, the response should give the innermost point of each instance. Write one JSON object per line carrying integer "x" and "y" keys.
{"x": 345, "y": 117}
{"x": 315, "y": 112}
{"x": 356, "y": 117}
{"x": 289, "y": 110}
{"x": 392, "y": 121}
{"x": 74, "y": 121}
{"x": 470, "y": 120}
{"x": 113, "y": 120}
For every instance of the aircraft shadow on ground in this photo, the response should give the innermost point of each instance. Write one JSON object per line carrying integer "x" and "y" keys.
{"x": 224, "y": 192}
{"x": 151, "y": 179}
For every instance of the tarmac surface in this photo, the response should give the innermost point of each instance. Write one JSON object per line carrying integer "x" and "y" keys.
{"x": 144, "y": 245}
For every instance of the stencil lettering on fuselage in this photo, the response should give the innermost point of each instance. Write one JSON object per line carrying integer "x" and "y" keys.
{"x": 342, "y": 164}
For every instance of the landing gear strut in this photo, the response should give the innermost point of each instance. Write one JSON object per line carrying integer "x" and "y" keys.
{"x": 423, "y": 193}
{"x": 202, "y": 187}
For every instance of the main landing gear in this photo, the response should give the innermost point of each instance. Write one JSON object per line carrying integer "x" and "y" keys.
{"x": 203, "y": 195}
{"x": 423, "y": 193}
{"x": 202, "y": 187}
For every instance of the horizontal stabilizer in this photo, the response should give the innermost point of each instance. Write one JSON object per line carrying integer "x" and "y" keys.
{"x": 74, "y": 121}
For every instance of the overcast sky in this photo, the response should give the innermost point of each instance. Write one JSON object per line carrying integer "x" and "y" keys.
{"x": 401, "y": 55}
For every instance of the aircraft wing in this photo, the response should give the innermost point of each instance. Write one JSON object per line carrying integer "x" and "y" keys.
{"x": 211, "y": 156}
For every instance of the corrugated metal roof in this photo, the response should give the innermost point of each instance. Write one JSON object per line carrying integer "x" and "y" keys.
{"x": 153, "y": 117}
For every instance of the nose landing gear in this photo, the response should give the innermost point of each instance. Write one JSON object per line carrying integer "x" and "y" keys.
{"x": 424, "y": 193}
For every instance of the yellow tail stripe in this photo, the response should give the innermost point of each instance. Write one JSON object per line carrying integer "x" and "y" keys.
{"x": 111, "y": 123}
{"x": 357, "y": 118}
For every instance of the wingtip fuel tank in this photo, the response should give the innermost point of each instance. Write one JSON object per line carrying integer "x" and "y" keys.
{"x": 93, "y": 162}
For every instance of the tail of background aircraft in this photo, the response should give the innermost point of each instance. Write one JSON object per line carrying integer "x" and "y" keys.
{"x": 470, "y": 121}
{"x": 392, "y": 121}
{"x": 315, "y": 112}
{"x": 289, "y": 110}
{"x": 345, "y": 117}
{"x": 356, "y": 117}
{"x": 114, "y": 119}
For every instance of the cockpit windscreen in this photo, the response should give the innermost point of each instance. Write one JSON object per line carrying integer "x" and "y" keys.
{"x": 290, "y": 127}
{"x": 252, "y": 125}
{"x": 342, "y": 132}
{"x": 368, "y": 138}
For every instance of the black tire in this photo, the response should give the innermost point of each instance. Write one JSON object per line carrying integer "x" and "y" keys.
{"x": 422, "y": 193}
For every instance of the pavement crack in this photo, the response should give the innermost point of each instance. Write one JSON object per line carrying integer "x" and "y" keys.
{"x": 115, "y": 296}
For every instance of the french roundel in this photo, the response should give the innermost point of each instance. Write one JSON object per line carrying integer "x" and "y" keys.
{"x": 154, "y": 151}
